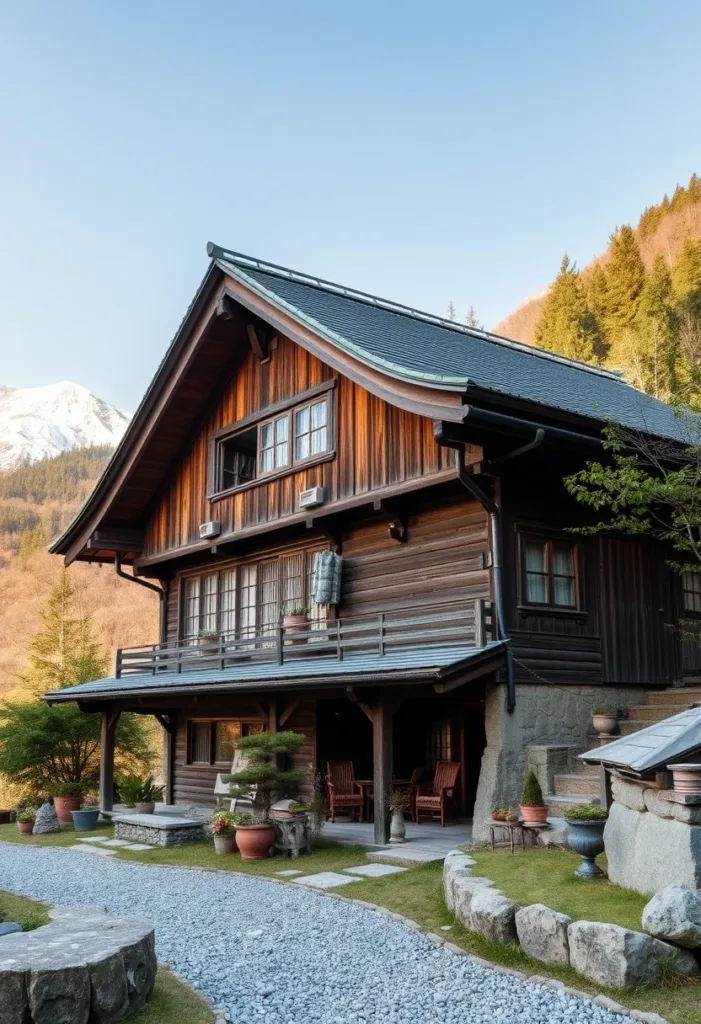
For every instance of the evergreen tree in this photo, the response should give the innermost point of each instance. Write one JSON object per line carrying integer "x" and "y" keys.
{"x": 686, "y": 278}
{"x": 567, "y": 324}
{"x": 596, "y": 292}
{"x": 657, "y": 334}
{"x": 451, "y": 310}
{"x": 625, "y": 278}
{"x": 472, "y": 320}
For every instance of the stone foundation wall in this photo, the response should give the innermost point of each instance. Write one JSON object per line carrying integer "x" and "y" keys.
{"x": 544, "y": 715}
{"x": 158, "y": 836}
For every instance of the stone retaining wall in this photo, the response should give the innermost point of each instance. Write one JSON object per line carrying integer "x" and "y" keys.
{"x": 158, "y": 836}
{"x": 606, "y": 954}
{"x": 82, "y": 967}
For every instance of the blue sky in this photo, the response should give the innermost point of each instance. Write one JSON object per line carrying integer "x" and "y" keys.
{"x": 424, "y": 152}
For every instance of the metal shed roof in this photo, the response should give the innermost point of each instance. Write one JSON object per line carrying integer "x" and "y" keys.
{"x": 422, "y": 662}
{"x": 418, "y": 346}
{"x": 654, "y": 747}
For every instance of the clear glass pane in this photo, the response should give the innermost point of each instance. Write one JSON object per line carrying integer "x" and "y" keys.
{"x": 319, "y": 441}
{"x": 282, "y": 429}
{"x": 267, "y": 460}
{"x": 302, "y": 447}
{"x": 226, "y": 736}
{"x": 191, "y": 618}
{"x": 199, "y": 742}
{"x": 535, "y": 556}
{"x": 562, "y": 560}
{"x": 536, "y": 591}
{"x": 269, "y": 600}
{"x": 319, "y": 414}
{"x": 266, "y": 435}
{"x": 227, "y": 601}
{"x": 302, "y": 421}
{"x": 247, "y": 599}
{"x": 282, "y": 456}
{"x": 563, "y": 591}
{"x": 209, "y": 603}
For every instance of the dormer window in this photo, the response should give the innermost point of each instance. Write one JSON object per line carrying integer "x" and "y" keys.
{"x": 298, "y": 434}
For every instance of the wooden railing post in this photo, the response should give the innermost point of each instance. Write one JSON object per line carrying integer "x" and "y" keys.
{"x": 480, "y": 637}
{"x": 280, "y": 644}
{"x": 381, "y": 627}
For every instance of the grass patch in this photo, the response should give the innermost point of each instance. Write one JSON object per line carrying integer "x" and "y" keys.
{"x": 24, "y": 911}
{"x": 547, "y": 876}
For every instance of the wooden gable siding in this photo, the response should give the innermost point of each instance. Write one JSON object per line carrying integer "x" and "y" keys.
{"x": 377, "y": 445}
{"x": 194, "y": 784}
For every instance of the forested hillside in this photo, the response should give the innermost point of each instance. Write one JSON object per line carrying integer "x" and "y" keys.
{"x": 637, "y": 307}
{"x": 36, "y": 501}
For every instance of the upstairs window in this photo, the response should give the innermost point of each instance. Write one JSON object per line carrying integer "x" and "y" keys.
{"x": 298, "y": 435}
{"x": 549, "y": 573}
{"x": 691, "y": 589}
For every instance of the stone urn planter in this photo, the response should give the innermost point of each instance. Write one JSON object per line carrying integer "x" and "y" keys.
{"x": 587, "y": 839}
{"x": 604, "y": 724}
{"x": 295, "y": 622}
{"x": 255, "y": 841}
{"x": 397, "y": 827}
{"x": 686, "y": 777}
{"x": 147, "y": 807}
{"x": 86, "y": 820}
{"x": 224, "y": 844}
{"x": 64, "y": 807}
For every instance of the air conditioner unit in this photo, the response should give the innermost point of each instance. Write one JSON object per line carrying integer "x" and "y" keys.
{"x": 311, "y": 497}
{"x": 211, "y": 529}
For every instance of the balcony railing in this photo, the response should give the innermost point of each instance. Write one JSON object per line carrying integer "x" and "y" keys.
{"x": 338, "y": 639}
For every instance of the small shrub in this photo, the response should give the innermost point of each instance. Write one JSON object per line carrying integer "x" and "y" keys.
{"x": 26, "y": 814}
{"x": 242, "y": 818}
{"x": 223, "y": 823}
{"x": 601, "y": 711}
{"x": 586, "y": 812}
{"x": 532, "y": 794}
{"x": 68, "y": 789}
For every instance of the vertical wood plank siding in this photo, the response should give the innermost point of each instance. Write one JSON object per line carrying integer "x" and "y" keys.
{"x": 377, "y": 445}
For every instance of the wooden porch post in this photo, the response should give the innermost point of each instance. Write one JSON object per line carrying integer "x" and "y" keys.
{"x": 108, "y": 728}
{"x": 383, "y": 759}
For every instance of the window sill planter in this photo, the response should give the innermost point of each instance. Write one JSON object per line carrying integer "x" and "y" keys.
{"x": 255, "y": 841}
{"x": 64, "y": 807}
{"x": 147, "y": 807}
{"x": 686, "y": 777}
{"x": 292, "y": 624}
{"x": 85, "y": 821}
{"x": 25, "y": 828}
{"x": 534, "y": 815}
{"x": 587, "y": 839}
{"x": 224, "y": 844}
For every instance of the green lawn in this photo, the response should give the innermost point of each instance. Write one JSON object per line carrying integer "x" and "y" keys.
{"x": 171, "y": 1001}
{"x": 533, "y": 876}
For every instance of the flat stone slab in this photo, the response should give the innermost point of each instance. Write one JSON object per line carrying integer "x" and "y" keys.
{"x": 289, "y": 873}
{"x": 375, "y": 870}
{"x": 157, "y": 829}
{"x": 139, "y": 846}
{"x": 115, "y": 842}
{"x": 92, "y": 839}
{"x": 82, "y": 967}
{"x": 325, "y": 880}
{"x": 94, "y": 849}
{"x": 161, "y": 821}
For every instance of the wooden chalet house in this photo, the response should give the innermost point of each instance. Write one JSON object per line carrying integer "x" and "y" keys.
{"x": 292, "y": 416}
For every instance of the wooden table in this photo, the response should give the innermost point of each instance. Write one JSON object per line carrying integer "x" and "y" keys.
{"x": 365, "y": 786}
{"x": 511, "y": 827}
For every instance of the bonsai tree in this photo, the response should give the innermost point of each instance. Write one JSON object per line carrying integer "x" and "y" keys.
{"x": 532, "y": 794}
{"x": 261, "y": 774}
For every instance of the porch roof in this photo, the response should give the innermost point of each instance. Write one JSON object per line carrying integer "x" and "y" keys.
{"x": 654, "y": 747}
{"x": 434, "y": 663}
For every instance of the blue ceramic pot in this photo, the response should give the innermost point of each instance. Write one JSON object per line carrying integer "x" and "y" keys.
{"x": 587, "y": 839}
{"x": 85, "y": 821}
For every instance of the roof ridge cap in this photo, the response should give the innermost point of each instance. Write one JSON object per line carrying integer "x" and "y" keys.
{"x": 217, "y": 252}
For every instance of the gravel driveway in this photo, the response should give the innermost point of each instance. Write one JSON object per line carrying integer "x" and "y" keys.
{"x": 283, "y": 955}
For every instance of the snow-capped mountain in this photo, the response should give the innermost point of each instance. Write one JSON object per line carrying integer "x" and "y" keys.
{"x": 37, "y": 423}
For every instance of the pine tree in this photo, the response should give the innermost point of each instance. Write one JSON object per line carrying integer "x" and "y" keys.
{"x": 567, "y": 324}
{"x": 451, "y": 310}
{"x": 686, "y": 278}
{"x": 656, "y": 334}
{"x": 625, "y": 278}
{"x": 472, "y": 320}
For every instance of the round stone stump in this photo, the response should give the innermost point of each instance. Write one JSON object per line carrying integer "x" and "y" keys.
{"x": 82, "y": 967}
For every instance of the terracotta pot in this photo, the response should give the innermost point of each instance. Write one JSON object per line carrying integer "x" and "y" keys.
{"x": 511, "y": 817}
{"x": 604, "y": 723}
{"x": 687, "y": 777}
{"x": 295, "y": 624}
{"x": 255, "y": 841}
{"x": 498, "y": 816}
{"x": 224, "y": 844}
{"x": 25, "y": 827}
{"x": 146, "y": 808}
{"x": 534, "y": 815}
{"x": 64, "y": 805}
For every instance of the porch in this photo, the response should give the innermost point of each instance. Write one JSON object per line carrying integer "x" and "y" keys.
{"x": 425, "y": 843}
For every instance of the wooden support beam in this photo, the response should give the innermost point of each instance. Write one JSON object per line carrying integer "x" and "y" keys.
{"x": 397, "y": 528}
{"x": 108, "y": 728}
{"x": 605, "y": 795}
{"x": 263, "y": 712}
{"x": 169, "y": 722}
{"x": 382, "y": 767}
{"x": 287, "y": 713}
{"x": 272, "y": 716}
{"x": 329, "y": 528}
{"x": 259, "y": 338}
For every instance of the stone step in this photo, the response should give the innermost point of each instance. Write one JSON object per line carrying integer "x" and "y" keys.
{"x": 631, "y": 725}
{"x": 576, "y": 785}
{"x": 653, "y": 712}
{"x": 582, "y": 768}
{"x": 678, "y": 696}
{"x": 558, "y": 804}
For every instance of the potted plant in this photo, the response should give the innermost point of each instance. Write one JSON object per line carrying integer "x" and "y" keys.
{"x": 262, "y": 775}
{"x": 603, "y": 721}
{"x": 222, "y": 825}
{"x": 533, "y": 808}
{"x": 397, "y": 804}
{"x": 585, "y": 835}
{"x": 130, "y": 789}
{"x": 85, "y": 820}
{"x": 148, "y": 795}
{"x": 499, "y": 814}
{"x": 67, "y": 797}
{"x": 208, "y": 641}
{"x": 295, "y": 620}
{"x": 25, "y": 820}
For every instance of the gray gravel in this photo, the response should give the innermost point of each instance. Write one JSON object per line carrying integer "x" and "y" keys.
{"x": 278, "y": 954}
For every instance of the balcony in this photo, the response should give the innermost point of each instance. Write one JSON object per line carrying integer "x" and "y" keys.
{"x": 337, "y": 639}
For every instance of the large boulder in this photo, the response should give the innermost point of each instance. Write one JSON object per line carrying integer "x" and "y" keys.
{"x": 608, "y": 954}
{"x": 46, "y": 820}
{"x": 542, "y": 933}
{"x": 648, "y": 853}
{"x": 59, "y": 995}
{"x": 674, "y": 914}
{"x": 456, "y": 865}
{"x": 463, "y": 892}
{"x": 492, "y": 915}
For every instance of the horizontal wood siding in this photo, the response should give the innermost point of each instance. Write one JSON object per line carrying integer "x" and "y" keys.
{"x": 556, "y": 657}
{"x": 377, "y": 445}
{"x": 194, "y": 784}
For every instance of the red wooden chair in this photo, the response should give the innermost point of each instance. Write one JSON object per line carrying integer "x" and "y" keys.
{"x": 442, "y": 793}
{"x": 344, "y": 793}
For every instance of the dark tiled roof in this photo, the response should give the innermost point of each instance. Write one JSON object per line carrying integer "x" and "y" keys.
{"x": 437, "y": 660}
{"x": 436, "y": 352}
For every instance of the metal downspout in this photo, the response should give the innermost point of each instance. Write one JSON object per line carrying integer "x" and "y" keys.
{"x": 162, "y": 611}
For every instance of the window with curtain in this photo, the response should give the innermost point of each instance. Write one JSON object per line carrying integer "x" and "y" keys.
{"x": 691, "y": 588}
{"x": 214, "y": 741}
{"x": 438, "y": 746}
{"x": 549, "y": 573}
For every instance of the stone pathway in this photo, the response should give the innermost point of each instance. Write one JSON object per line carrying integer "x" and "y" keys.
{"x": 98, "y": 845}
{"x": 331, "y": 879}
